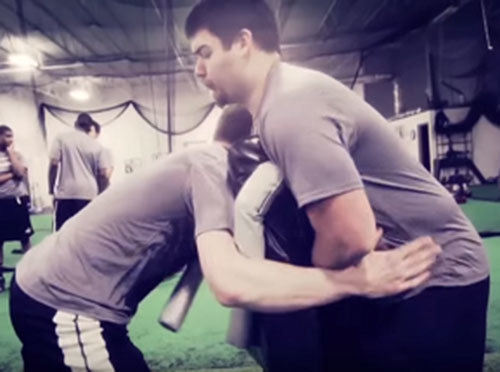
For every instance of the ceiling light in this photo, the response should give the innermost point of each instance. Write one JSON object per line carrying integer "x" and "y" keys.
{"x": 22, "y": 60}
{"x": 79, "y": 94}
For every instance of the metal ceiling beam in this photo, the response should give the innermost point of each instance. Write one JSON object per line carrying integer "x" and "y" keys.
{"x": 170, "y": 32}
{"x": 377, "y": 11}
{"x": 157, "y": 10}
{"x": 168, "y": 27}
{"x": 329, "y": 11}
{"x": 116, "y": 19}
{"x": 38, "y": 29}
{"x": 98, "y": 24}
{"x": 119, "y": 75}
{"x": 403, "y": 31}
{"x": 8, "y": 32}
{"x": 22, "y": 26}
{"x": 63, "y": 27}
{"x": 284, "y": 12}
{"x": 389, "y": 39}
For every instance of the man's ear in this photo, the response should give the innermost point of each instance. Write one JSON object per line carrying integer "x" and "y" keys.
{"x": 243, "y": 41}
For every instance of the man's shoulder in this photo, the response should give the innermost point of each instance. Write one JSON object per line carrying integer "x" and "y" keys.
{"x": 302, "y": 80}
{"x": 210, "y": 159}
{"x": 295, "y": 90}
{"x": 203, "y": 153}
{"x": 67, "y": 134}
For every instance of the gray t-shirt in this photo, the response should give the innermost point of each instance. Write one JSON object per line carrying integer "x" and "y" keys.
{"x": 14, "y": 187}
{"x": 93, "y": 265}
{"x": 80, "y": 158}
{"x": 328, "y": 141}
{"x": 107, "y": 159}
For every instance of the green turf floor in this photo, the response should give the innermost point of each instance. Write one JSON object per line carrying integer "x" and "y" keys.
{"x": 200, "y": 346}
{"x": 486, "y": 192}
{"x": 484, "y": 215}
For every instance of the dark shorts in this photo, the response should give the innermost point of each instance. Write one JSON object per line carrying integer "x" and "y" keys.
{"x": 60, "y": 341}
{"x": 441, "y": 329}
{"x": 67, "y": 208}
{"x": 15, "y": 221}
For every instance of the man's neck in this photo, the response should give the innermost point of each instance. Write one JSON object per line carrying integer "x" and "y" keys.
{"x": 259, "y": 73}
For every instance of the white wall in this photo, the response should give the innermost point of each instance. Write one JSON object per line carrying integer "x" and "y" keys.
{"x": 133, "y": 142}
{"x": 485, "y": 138}
{"x": 407, "y": 130}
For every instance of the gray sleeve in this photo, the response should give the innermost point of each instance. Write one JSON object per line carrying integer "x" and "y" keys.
{"x": 105, "y": 159}
{"x": 55, "y": 150}
{"x": 311, "y": 150}
{"x": 211, "y": 200}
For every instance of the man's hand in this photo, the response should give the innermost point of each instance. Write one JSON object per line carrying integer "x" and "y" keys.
{"x": 4, "y": 177}
{"x": 387, "y": 273}
{"x": 17, "y": 167}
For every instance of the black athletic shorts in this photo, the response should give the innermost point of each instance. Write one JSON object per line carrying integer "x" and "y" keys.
{"x": 442, "y": 329}
{"x": 67, "y": 208}
{"x": 62, "y": 341}
{"x": 14, "y": 220}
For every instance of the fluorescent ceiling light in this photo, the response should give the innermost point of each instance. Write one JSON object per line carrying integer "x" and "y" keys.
{"x": 22, "y": 60}
{"x": 79, "y": 94}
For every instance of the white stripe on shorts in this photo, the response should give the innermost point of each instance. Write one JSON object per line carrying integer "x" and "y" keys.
{"x": 80, "y": 339}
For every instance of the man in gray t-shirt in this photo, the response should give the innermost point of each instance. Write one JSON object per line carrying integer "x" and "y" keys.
{"x": 79, "y": 169}
{"x": 350, "y": 174}
{"x": 78, "y": 288}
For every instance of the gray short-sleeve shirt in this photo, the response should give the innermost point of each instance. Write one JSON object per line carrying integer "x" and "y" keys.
{"x": 92, "y": 265}
{"x": 334, "y": 142}
{"x": 80, "y": 157}
{"x": 14, "y": 187}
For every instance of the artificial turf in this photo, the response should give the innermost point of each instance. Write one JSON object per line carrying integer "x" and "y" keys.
{"x": 200, "y": 344}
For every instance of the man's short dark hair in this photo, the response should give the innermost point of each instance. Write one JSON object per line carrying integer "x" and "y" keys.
{"x": 4, "y": 129}
{"x": 234, "y": 124}
{"x": 225, "y": 19}
{"x": 96, "y": 126}
{"x": 84, "y": 122}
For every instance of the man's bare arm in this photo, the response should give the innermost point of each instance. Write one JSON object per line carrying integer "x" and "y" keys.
{"x": 345, "y": 229}
{"x": 17, "y": 166}
{"x": 270, "y": 286}
{"x": 54, "y": 164}
{"x": 6, "y": 177}
{"x": 103, "y": 179}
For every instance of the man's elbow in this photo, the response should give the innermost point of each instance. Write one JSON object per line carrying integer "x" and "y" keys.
{"x": 228, "y": 298}
{"x": 227, "y": 295}
{"x": 231, "y": 290}
{"x": 341, "y": 253}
